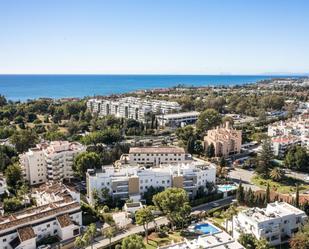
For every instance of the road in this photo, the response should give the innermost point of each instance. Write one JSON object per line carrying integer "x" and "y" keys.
{"x": 101, "y": 242}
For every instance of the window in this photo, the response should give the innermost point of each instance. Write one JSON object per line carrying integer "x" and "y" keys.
{"x": 48, "y": 225}
{"x": 55, "y": 231}
{"x": 4, "y": 240}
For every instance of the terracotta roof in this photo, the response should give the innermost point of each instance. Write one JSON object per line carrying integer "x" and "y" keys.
{"x": 26, "y": 233}
{"x": 64, "y": 220}
{"x": 29, "y": 216}
{"x": 157, "y": 150}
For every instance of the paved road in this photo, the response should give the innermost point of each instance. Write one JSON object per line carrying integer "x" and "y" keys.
{"x": 244, "y": 176}
{"x": 101, "y": 242}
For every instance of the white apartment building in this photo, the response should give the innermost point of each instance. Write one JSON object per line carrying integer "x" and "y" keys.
{"x": 50, "y": 161}
{"x": 22, "y": 230}
{"x": 3, "y": 185}
{"x": 131, "y": 107}
{"x": 150, "y": 156}
{"x": 281, "y": 144}
{"x": 276, "y": 223}
{"x": 128, "y": 181}
{"x": 178, "y": 119}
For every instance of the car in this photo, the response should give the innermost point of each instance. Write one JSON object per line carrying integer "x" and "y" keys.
{"x": 215, "y": 204}
{"x": 307, "y": 179}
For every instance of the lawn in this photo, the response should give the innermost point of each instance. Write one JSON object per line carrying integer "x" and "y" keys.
{"x": 154, "y": 240}
{"x": 286, "y": 186}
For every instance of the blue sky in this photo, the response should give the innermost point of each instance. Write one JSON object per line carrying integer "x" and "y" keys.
{"x": 154, "y": 36}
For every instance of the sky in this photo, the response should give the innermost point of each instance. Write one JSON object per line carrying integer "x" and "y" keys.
{"x": 154, "y": 36}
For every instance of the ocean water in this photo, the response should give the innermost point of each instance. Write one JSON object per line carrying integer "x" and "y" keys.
{"x": 23, "y": 87}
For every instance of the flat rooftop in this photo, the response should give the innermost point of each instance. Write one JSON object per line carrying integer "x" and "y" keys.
{"x": 180, "y": 115}
{"x": 157, "y": 150}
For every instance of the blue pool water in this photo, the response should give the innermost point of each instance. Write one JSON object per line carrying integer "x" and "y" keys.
{"x": 226, "y": 188}
{"x": 206, "y": 228}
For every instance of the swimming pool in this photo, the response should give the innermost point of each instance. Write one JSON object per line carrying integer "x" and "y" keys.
{"x": 206, "y": 228}
{"x": 226, "y": 188}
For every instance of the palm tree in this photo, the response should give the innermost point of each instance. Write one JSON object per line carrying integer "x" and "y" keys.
{"x": 109, "y": 233}
{"x": 79, "y": 242}
{"x": 89, "y": 234}
{"x": 276, "y": 174}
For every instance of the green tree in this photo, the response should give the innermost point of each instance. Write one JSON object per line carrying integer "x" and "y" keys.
{"x": 172, "y": 202}
{"x": 297, "y": 158}
{"x": 207, "y": 120}
{"x": 79, "y": 242}
{"x": 90, "y": 234}
{"x": 262, "y": 244}
{"x": 143, "y": 217}
{"x": 14, "y": 176}
{"x": 264, "y": 160}
{"x": 150, "y": 192}
{"x": 297, "y": 196}
{"x": 109, "y": 233}
{"x": 210, "y": 152}
{"x": 12, "y": 204}
{"x": 23, "y": 140}
{"x": 84, "y": 161}
{"x": 240, "y": 194}
{"x": 276, "y": 174}
{"x": 190, "y": 145}
{"x": 133, "y": 242}
{"x": 247, "y": 240}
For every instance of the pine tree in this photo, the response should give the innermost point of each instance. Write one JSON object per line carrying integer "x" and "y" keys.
{"x": 240, "y": 195}
{"x": 265, "y": 158}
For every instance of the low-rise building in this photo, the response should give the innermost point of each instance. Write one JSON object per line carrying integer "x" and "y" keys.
{"x": 53, "y": 192}
{"x": 156, "y": 156}
{"x": 128, "y": 181}
{"x": 50, "y": 161}
{"x": 22, "y": 230}
{"x": 225, "y": 139}
{"x": 178, "y": 119}
{"x": 276, "y": 223}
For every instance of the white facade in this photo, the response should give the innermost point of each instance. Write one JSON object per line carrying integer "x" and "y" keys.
{"x": 280, "y": 145}
{"x": 178, "y": 119}
{"x": 157, "y": 155}
{"x": 131, "y": 107}
{"x": 276, "y": 223}
{"x": 133, "y": 180}
{"x": 51, "y": 161}
{"x": 26, "y": 228}
{"x": 3, "y": 185}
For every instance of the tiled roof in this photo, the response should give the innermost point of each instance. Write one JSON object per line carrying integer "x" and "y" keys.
{"x": 26, "y": 233}
{"x": 29, "y": 216}
{"x": 64, "y": 220}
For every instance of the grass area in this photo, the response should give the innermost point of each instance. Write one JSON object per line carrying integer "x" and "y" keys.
{"x": 154, "y": 240}
{"x": 286, "y": 186}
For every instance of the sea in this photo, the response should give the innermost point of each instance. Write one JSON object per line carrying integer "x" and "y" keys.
{"x": 25, "y": 87}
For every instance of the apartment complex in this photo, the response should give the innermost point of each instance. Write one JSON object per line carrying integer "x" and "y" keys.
{"x": 276, "y": 223}
{"x": 281, "y": 144}
{"x": 150, "y": 156}
{"x": 128, "y": 181}
{"x": 131, "y": 107}
{"x": 50, "y": 161}
{"x": 226, "y": 140}
{"x": 22, "y": 230}
{"x": 294, "y": 131}
{"x": 178, "y": 119}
